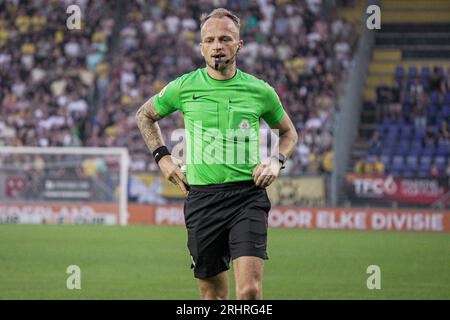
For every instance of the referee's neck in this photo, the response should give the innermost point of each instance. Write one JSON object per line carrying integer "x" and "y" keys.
{"x": 224, "y": 74}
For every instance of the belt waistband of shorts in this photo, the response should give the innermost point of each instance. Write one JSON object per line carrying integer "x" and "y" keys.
{"x": 223, "y": 186}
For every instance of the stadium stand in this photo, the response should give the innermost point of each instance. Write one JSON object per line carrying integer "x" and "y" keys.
{"x": 47, "y": 73}
{"x": 406, "y": 113}
{"x": 64, "y": 87}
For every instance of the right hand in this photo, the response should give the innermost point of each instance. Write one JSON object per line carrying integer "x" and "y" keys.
{"x": 170, "y": 168}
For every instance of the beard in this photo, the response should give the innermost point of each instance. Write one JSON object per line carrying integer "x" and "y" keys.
{"x": 212, "y": 63}
{"x": 222, "y": 65}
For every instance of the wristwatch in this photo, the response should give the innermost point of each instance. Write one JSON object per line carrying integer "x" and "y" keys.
{"x": 282, "y": 158}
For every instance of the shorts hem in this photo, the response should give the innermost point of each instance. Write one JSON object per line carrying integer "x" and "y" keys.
{"x": 244, "y": 253}
{"x": 206, "y": 275}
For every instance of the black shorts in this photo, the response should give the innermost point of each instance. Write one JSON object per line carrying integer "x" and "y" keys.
{"x": 225, "y": 222}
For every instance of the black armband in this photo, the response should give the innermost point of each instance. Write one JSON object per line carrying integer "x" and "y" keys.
{"x": 160, "y": 152}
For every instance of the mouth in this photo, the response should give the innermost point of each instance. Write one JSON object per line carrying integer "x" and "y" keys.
{"x": 220, "y": 55}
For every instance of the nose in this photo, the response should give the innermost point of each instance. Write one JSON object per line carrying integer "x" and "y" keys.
{"x": 217, "y": 45}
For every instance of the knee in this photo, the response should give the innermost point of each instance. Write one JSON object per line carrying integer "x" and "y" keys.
{"x": 211, "y": 295}
{"x": 249, "y": 292}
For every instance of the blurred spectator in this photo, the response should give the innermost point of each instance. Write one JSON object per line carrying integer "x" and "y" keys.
{"x": 419, "y": 116}
{"x": 434, "y": 170}
{"x": 444, "y": 132}
{"x": 436, "y": 81}
{"x": 378, "y": 166}
{"x": 383, "y": 97}
{"x": 360, "y": 166}
{"x": 375, "y": 144}
{"x": 327, "y": 161}
{"x": 416, "y": 88}
{"x": 369, "y": 165}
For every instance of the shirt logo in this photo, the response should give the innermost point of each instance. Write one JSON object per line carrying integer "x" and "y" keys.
{"x": 162, "y": 92}
{"x": 194, "y": 97}
{"x": 244, "y": 125}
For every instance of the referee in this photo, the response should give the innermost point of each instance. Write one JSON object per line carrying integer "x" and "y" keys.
{"x": 226, "y": 208}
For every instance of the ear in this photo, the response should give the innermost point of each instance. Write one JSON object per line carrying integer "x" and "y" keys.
{"x": 240, "y": 44}
{"x": 201, "y": 49}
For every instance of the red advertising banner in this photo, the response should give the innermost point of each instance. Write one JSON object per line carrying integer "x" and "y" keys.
{"x": 279, "y": 217}
{"x": 318, "y": 218}
{"x": 388, "y": 189}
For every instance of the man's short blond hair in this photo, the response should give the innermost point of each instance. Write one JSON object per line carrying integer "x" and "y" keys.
{"x": 220, "y": 13}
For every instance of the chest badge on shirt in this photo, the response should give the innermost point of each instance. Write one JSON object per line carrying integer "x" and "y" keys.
{"x": 244, "y": 124}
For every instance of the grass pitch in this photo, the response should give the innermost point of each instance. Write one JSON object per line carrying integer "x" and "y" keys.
{"x": 152, "y": 262}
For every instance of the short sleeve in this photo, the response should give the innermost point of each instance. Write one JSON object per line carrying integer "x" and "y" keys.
{"x": 274, "y": 111}
{"x": 168, "y": 99}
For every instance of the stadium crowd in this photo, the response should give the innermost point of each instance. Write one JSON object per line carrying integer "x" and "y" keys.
{"x": 47, "y": 71}
{"x": 61, "y": 87}
{"x": 412, "y": 137}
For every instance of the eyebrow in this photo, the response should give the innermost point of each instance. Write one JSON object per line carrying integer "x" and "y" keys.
{"x": 220, "y": 37}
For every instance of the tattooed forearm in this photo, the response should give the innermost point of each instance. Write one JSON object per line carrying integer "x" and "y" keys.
{"x": 287, "y": 143}
{"x": 146, "y": 121}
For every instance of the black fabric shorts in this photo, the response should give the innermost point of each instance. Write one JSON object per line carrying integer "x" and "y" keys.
{"x": 225, "y": 222}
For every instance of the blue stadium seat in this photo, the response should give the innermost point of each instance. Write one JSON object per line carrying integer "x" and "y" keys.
{"x": 447, "y": 98}
{"x": 409, "y": 83}
{"x": 386, "y": 160}
{"x": 445, "y": 111}
{"x": 425, "y": 83}
{"x": 396, "y": 171}
{"x": 422, "y": 173}
{"x": 429, "y": 150}
{"x": 402, "y": 148}
{"x": 392, "y": 131}
{"x": 399, "y": 72}
{"x": 409, "y": 173}
{"x": 387, "y": 152}
{"x": 371, "y": 158}
{"x": 419, "y": 133}
{"x": 398, "y": 163}
{"x": 425, "y": 72}
{"x": 443, "y": 148}
{"x": 407, "y": 131}
{"x": 441, "y": 162}
{"x": 386, "y": 122}
{"x": 412, "y": 163}
{"x": 389, "y": 143}
{"x": 425, "y": 161}
{"x": 415, "y": 152}
{"x": 412, "y": 72}
{"x": 435, "y": 98}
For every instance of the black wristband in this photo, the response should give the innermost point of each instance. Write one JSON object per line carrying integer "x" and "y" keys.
{"x": 160, "y": 152}
{"x": 282, "y": 159}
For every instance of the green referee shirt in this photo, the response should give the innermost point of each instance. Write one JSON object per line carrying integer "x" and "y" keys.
{"x": 222, "y": 123}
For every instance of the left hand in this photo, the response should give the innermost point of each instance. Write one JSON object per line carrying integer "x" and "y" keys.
{"x": 266, "y": 173}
